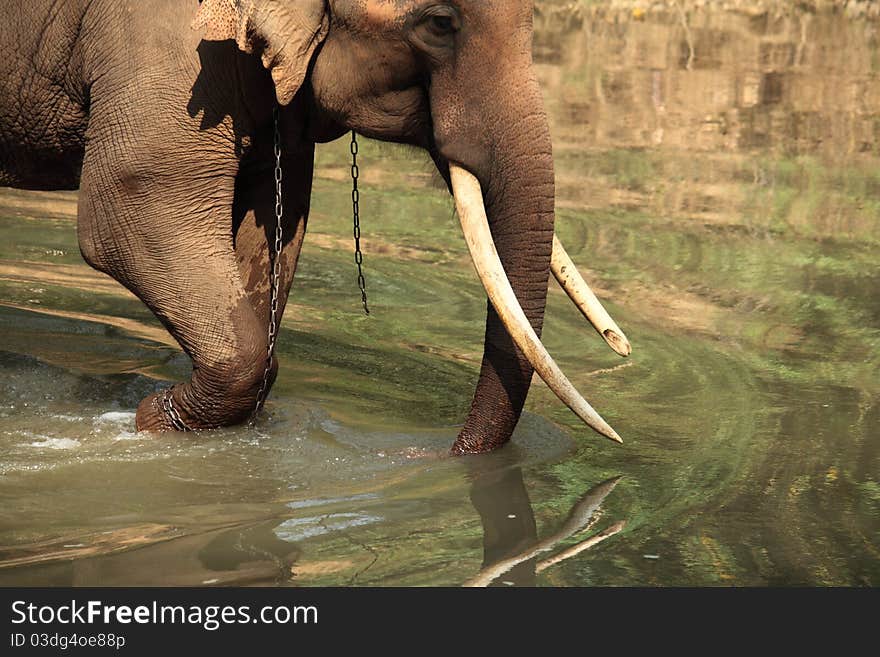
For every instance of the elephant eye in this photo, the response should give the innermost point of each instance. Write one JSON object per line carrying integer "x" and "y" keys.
{"x": 441, "y": 21}
{"x": 442, "y": 25}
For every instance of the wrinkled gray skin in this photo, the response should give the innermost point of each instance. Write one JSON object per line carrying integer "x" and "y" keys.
{"x": 169, "y": 139}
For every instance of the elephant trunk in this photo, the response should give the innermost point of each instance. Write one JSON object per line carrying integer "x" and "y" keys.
{"x": 519, "y": 193}
{"x": 520, "y": 217}
{"x": 510, "y": 234}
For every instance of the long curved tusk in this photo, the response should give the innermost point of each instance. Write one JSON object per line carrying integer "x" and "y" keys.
{"x": 475, "y": 225}
{"x": 576, "y": 287}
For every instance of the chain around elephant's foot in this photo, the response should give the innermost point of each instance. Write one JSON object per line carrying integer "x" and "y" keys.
{"x": 171, "y": 412}
{"x": 160, "y": 412}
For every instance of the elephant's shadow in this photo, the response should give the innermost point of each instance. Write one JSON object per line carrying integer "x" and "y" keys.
{"x": 227, "y": 87}
{"x": 219, "y": 89}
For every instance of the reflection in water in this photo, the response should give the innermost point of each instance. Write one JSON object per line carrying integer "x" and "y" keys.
{"x": 268, "y": 552}
{"x": 243, "y": 555}
{"x": 510, "y": 540}
{"x": 508, "y": 521}
{"x": 238, "y": 549}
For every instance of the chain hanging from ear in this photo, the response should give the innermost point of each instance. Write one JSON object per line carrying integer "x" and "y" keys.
{"x": 356, "y": 213}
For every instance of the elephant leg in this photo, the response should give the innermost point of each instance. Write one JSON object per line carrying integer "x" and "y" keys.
{"x": 200, "y": 297}
{"x": 170, "y": 242}
{"x": 226, "y": 341}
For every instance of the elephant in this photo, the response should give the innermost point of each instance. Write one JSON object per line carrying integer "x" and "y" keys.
{"x": 171, "y": 116}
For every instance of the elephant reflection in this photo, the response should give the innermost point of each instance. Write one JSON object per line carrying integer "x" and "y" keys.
{"x": 271, "y": 551}
{"x": 511, "y": 548}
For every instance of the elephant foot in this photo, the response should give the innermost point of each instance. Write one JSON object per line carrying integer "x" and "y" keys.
{"x": 159, "y": 413}
{"x": 182, "y": 409}
{"x": 467, "y": 447}
{"x": 483, "y": 440}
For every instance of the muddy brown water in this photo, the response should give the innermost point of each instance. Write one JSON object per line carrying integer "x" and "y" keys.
{"x": 718, "y": 182}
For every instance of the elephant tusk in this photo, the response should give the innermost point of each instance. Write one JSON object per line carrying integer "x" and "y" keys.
{"x": 475, "y": 225}
{"x": 576, "y": 287}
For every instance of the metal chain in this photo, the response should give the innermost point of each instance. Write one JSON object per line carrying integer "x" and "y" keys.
{"x": 356, "y": 212}
{"x": 275, "y": 275}
{"x": 171, "y": 413}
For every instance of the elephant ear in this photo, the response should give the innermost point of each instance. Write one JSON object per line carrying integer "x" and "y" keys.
{"x": 289, "y": 31}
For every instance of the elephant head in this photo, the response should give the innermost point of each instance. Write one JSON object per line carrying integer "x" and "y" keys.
{"x": 455, "y": 77}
